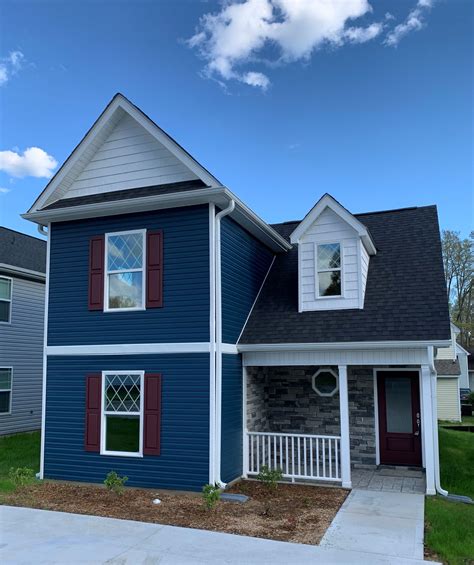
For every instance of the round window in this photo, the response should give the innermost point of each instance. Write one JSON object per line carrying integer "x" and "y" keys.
{"x": 325, "y": 382}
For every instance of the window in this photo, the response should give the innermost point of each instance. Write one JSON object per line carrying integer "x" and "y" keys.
{"x": 328, "y": 258}
{"x": 5, "y": 299}
{"x": 325, "y": 382}
{"x": 122, "y": 417}
{"x": 5, "y": 390}
{"x": 125, "y": 272}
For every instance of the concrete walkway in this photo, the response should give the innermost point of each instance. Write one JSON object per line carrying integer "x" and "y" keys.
{"x": 379, "y": 523}
{"x": 38, "y": 536}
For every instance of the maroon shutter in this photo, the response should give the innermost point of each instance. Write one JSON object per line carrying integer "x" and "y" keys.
{"x": 154, "y": 269}
{"x": 93, "y": 404}
{"x": 96, "y": 272}
{"x": 152, "y": 415}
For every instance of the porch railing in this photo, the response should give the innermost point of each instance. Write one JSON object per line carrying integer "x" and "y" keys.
{"x": 299, "y": 456}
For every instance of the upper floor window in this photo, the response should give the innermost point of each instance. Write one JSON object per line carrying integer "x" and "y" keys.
{"x": 5, "y": 299}
{"x": 328, "y": 267}
{"x": 125, "y": 270}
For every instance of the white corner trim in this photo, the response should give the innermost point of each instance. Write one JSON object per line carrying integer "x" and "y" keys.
{"x": 129, "y": 349}
{"x": 45, "y": 355}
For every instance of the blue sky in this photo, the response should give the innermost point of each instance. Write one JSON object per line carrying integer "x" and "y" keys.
{"x": 277, "y": 112}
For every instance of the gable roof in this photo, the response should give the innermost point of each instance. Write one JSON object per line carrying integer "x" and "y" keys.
{"x": 120, "y": 108}
{"x": 327, "y": 201}
{"x": 405, "y": 299}
{"x": 22, "y": 252}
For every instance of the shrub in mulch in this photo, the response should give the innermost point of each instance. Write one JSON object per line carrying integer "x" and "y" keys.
{"x": 296, "y": 513}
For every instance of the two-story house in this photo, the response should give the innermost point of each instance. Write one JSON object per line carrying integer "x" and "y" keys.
{"x": 189, "y": 342}
{"x": 22, "y": 296}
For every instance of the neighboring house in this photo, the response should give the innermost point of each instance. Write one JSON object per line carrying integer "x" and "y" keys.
{"x": 22, "y": 295}
{"x": 452, "y": 368}
{"x": 470, "y": 369}
{"x": 189, "y": 342}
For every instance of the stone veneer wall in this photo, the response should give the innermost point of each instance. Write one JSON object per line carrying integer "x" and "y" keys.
{"x": 281, "y": 399}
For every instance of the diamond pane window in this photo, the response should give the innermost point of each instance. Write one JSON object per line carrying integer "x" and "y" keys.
{"x": 5, "y": 390}
{"x": 329, "y": 270}
{"x": 5, "y": 299}
{"x": 122, "y": 412}
{"x": 125, "y": 271}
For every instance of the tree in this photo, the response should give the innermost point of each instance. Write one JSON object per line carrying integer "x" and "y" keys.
{"x": 458, "y": 258}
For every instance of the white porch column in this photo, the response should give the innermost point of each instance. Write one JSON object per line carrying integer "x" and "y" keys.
{"x": 245, "y": 439}
{"x": 427, "y": 428}
{"x": 344, "y": 417}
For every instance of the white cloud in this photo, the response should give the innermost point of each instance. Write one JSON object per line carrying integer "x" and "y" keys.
{"x": 414, "y": 22}
{"x": 4, "y": 190}
{"x": 34, "y": 162}
{"x": 10, "y": 65}
{"x": 235, "y": 35}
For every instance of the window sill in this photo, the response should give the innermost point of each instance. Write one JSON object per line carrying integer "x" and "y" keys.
{"x": 121, "y": 454}
{"x": 109, "y": 310}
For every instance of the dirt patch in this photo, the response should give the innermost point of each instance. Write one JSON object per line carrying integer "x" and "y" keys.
{"x": 295, "y": 513}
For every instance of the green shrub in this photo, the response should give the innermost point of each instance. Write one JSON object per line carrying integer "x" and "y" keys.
{"x": 270, "y": 477}
{"x": 471, "y": 398}
{"x": 211, "y": 494}
{"x": 21, "y": 476}
{"x": 115, "y": 483}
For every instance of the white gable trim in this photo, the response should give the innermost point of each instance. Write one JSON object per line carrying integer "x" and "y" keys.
{"x": 327, "y": 201}
{"x": 115, "y": 110}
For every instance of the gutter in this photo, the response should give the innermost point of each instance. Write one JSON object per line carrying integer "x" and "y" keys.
{"x": 218, "y": 343}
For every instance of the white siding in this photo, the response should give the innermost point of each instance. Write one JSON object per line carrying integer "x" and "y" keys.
{"x": 364, "y": 264}
{"x": 447, "y": 352}
{"x": 21, "y": 347}
{"x": 330, "y": 228}
{"x": 448, "y": 399}
{"x": 464, "y": 376}
{"x": 334, "y": 357}
{"x": 129, "y": 157}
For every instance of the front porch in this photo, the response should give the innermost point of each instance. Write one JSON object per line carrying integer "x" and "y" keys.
{"x": 327, "y": 435}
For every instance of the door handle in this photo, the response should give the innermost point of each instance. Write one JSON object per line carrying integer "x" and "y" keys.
{"x": 417, "y": 432}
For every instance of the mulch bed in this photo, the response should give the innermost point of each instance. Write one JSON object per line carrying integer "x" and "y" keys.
{"x": 295, "y": 513}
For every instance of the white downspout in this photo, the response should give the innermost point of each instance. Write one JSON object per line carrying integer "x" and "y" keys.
{"x": 218, "y": 342}
{"x": 434, "y": 412}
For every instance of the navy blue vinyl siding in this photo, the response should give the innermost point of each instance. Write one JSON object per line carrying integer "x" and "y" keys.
{"x": 231, "y": 438}
{"x": 184, "y": 459}
{"x": 184, "y": 316}
{"x": 245, "y": 263}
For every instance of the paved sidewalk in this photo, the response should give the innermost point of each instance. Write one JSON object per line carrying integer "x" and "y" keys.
{"x": 379, "y": 523}
{"x": 390, "y": 479}
{"x": 38, "y": 536}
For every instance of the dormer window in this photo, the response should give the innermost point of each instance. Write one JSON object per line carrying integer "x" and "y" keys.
{"x": 328, "y": 270}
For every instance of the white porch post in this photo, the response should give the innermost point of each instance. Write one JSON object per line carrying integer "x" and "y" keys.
{"x": 245, "y": 445}
{"x": 427, "y": 428}
{"x": 344, "y": 417}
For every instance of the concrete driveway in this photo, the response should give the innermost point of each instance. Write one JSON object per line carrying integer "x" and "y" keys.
{"x": 39, "y": 536}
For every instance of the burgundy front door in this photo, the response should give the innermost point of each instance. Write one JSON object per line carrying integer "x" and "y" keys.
{"x": 399, "y": 417}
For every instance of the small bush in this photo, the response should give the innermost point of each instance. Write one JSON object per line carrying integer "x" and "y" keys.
{"x": 211, "y": 495}
{"x": 270, "y": 477}
{"x": 21, "y": 476}
{"x": 470, "y": 398}
{"x": 115, "y": 483}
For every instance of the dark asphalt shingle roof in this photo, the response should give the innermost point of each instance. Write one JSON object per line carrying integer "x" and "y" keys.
{"x": 405, "y": 296}
{"x": 21, "y": 250}
{"x": 446, "y": 367}
{"x": 127, "y": 194}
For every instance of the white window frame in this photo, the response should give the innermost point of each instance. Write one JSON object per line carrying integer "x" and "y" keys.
{"x": 116, "y": 272}
{"x": 325, "y": 370}
{"x": 317, "y": 270}
{"x": 10, "y": 300}
{"x": 105, "y": 413}
{"x": 10, "y": 390}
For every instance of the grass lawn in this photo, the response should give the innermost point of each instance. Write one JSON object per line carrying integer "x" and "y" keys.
{"x": 449, "y": 529}
{"x": 20, "y": 450}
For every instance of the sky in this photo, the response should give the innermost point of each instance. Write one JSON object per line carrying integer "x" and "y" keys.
{"x": 282, "y": 100}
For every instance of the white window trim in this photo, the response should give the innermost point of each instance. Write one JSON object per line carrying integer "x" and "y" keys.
{"x": 317, "y": 270}
{"x": 10, "y": 390}
{"x": 325, "y": 370}
{"x": 104, "y": 415}
{"x": 8, "y": 300}
{"x": 115, "y": 272}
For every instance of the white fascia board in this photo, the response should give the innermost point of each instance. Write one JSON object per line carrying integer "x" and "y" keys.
{"x": 327, "y": 201}
{"x": 120, "y": 104}
{"x": 221, "y": 196}
{"x": 341, "y": 345}
{"x": 20, "y": 271}
{"x": 460, "y": 349}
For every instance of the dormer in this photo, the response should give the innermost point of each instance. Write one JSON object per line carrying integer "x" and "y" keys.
{"x": 334, "y": 250}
